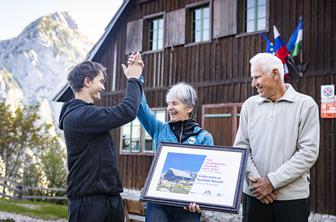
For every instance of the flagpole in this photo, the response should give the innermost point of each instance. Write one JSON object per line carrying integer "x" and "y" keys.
{"x": 301, "y": 53}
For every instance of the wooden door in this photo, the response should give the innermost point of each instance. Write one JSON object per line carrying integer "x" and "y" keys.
{"x": 222, "y": 121}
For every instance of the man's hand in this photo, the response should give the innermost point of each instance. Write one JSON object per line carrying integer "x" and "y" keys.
{"x": 194, "y": 208}
{"x": 269, "y": 198}
{"x": 260, "y": 187}
{"x": 134, "y": 67}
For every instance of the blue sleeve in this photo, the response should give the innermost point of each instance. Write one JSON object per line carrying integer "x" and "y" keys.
{"x": 147, "y": 118}
{"x": 205, "y": 138}
{"x": 208, "y": 140}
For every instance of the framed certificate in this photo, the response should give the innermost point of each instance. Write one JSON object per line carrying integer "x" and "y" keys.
{"x": 212, "y": 176}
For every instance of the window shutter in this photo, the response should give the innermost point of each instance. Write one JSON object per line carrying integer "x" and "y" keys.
{"x": 175, "y": 28}
{"x": 225, "y": 18}
{"x": 134, "y": 36}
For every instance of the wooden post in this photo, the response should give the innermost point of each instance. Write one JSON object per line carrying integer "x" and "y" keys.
{"x": 19, "y": 192}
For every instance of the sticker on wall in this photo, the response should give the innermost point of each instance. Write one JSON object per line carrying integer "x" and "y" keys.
{"x": 328, "y": 101}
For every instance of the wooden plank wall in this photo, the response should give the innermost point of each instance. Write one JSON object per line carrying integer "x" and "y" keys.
{"x": 219, "y": 70}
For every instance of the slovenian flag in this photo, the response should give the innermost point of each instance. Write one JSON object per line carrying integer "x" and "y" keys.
{"x": 280, "y": 48}
{"x": 295, "y": 42}
{"x": 269, "y": 44}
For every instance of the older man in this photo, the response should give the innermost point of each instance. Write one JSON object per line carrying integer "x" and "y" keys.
{"x": 280, "y": 127}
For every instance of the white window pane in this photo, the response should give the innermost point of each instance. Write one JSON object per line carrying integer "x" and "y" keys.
{"x": 250, "y": 26}
{"x": 161, "y": 115}
{"x": 197, "y": 14}
{"x": 250, "y": 14}
{"x": 147, "y": 136}
{"x": 250, "y": 3}
{"x": 205, "y": 35}
{"x": 198, "y": 26}
{"x": 197, "y": 36}
{"x": 206, "y": 24}
{"x": 160, "y": 44}
{"x": 206, "y": 13}
{"x": 136, "y": 133}
{"x": 262, "y": 2}
{"x": 136, "y": 122}
{"x": 154, "y": 45}
{"x": 155, "y": 35}
{"x": 135, "y": 146}
{"x": 262, "y": 24}
{"x": 261, "y": 11}
{"x": 161, "y": 34}
{"x": 126, "y": 131}
{"x": 160, "y": 23}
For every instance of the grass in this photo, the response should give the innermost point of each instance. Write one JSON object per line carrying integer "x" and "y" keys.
{"x": 39, "y": 210}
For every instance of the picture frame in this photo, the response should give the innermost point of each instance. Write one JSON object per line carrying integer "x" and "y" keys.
{"x": 211, "y": 176}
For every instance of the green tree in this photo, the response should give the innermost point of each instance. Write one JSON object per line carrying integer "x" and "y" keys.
{"x": 54, "y": 165}
{"x": 26, "y": 146}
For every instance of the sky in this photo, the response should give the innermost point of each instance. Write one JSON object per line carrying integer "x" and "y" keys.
{"x": 179, "y": 160}
{"x": 92, "y": 16}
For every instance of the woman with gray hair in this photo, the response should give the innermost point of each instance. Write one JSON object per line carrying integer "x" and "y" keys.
{"x": 182, "y": 128}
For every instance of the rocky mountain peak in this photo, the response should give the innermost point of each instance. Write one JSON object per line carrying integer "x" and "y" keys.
{"x": 52, "y": 22}
{"x": 41, "y": 56}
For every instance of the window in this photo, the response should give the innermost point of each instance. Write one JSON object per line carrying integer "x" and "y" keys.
{"x": 255, "y": 15}
{"x": 134, "y": 138}
{"x": 130, "y": 141}
{"x": 156, "y": 34}
{"x": 200, "y": 24}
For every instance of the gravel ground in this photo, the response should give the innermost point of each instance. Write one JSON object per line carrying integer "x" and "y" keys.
{"x": 221, "y": 217}
{"x": 210, "y": 217}
{"x": 207, "y": 216}
{"x": 21, "y": 218}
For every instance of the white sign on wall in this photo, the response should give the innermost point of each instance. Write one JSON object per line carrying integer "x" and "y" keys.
{"x": 328, "y": 101}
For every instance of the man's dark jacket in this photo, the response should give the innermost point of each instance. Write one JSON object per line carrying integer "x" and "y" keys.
{"x": 92, "y": 161}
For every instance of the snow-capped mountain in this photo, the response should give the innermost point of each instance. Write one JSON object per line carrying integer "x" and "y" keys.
{"x": 39, "y": 59}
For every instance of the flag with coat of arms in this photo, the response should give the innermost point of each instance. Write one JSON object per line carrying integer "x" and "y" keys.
{"x": 294, "y": 44}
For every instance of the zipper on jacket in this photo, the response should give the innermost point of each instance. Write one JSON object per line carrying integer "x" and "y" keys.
{"x": 181, "y": 134}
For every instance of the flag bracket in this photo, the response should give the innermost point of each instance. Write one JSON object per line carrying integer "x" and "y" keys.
{"x": 299, "y": 68}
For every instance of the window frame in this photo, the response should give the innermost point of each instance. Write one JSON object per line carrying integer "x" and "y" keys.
{"x": 189, "y": 25}
{"x": 255, "y": 19}
{"x": 142, "y": 140}
{"x": 155, "y": 32}
{"x": 129, "y": 150}
{"x": 194, "y": 22}
{"x": 146, "y": 32}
